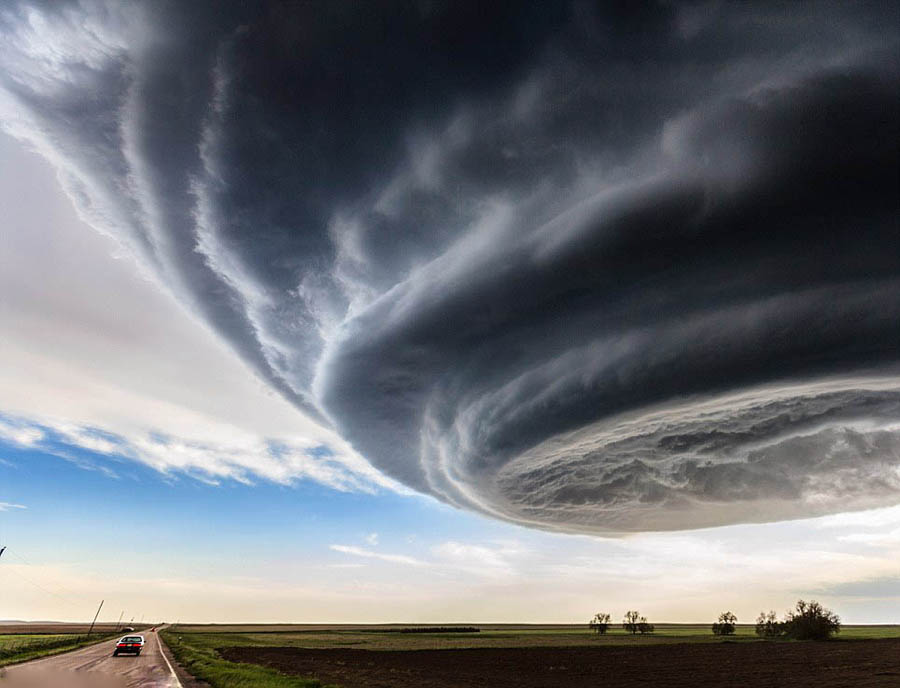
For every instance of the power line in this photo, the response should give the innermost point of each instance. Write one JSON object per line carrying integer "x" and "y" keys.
{"x": 40, "y": 587}
{"x": 90, "y": 572}
{"x": 69, "y": 596}
{"x": 69, "y": 593}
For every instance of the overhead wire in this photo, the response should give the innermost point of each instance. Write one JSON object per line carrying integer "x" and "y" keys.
{"x": 68, "y": 596}
{"x": 7, "y": 569}
{"x": 68, "y": 593}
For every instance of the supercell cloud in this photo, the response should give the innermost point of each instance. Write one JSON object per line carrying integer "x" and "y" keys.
{"x": 581, "y": 268}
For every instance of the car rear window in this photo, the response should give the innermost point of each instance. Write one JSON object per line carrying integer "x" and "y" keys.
{"x": 132, "y": 639}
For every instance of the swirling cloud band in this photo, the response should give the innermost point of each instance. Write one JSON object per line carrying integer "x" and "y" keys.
{"x": 581, "y": 269}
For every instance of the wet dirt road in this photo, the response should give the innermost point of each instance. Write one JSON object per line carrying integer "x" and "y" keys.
{"x": 95, "y": 667}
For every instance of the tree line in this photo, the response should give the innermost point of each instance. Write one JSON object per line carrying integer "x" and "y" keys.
{"x": 807, "y": 621}
{"x": 633, "y": 622}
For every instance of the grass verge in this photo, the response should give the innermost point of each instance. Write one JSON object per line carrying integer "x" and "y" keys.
{"x": 204, "y": 662}
{"x": 15, "y": 649}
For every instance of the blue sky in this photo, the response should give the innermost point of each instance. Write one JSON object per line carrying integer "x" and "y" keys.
{"x": 78, "y": 512}
{"x": 173, "y": 546}
{"x": 271, "y": 548}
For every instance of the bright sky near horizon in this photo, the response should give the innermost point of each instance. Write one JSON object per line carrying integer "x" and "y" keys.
{"x": 183, "y": 457}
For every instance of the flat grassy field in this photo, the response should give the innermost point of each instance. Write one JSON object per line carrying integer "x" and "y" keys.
{"x": 199, "y": 654}
{"x": 48, "y": 628}
{"x": 491, "y": 635}
{"x": 16, "y": 648}
{"x": 287, "y": 656}
{"x": 13, "y": 642}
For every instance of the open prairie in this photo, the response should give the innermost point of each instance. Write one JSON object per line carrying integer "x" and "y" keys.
{"x": 390, "y": 637}
{"x": 52, "y": 628}
{"x": 356, "y": 656}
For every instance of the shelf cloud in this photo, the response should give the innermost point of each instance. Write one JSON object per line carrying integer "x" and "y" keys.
{"x": 582, "y": 269}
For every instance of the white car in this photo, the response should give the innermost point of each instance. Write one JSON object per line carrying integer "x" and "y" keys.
{"x": 129, "y": 643}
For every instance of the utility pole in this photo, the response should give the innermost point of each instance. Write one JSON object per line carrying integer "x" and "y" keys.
{"x": 119, "y": 622}
{"x": 95, "y": 618}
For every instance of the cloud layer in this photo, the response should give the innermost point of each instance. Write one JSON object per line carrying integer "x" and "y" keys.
{"x": 582, "y": 269}
{"x": 239, "y": 456}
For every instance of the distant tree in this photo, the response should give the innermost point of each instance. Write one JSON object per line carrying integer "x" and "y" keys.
{"x": 808, "y": 621}
{"x": 725, "y": 625}
{"x": 768, "y": 626}
{"x": 811, "y": 621}
{"x": 631, "y": 621}
{"x": 600, "y": 623}
{"x": 635, "y": 623}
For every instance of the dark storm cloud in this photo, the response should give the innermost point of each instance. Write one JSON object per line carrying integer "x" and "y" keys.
{"x": 578, "y": 267}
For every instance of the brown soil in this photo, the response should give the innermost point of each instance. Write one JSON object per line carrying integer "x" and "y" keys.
{"x": 836, "y": 664}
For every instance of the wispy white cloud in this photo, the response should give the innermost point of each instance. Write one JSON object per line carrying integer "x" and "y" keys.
{"x": 491, "y": 560}
{"x": 369, "y": 554}
{"x": 371, "y": 539}
{"x": 6, "y": 506}
{"x": 483, "y": 559}
{"x": 19, "y": 434}
{"x": 889, "y": 539}
{"x": 232, "y": 455}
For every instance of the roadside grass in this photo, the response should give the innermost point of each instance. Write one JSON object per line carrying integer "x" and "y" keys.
{"x": 18, "y": 648}
{"x": 201, "y": 660}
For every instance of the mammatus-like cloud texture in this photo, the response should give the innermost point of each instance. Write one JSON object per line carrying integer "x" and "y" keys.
{"x": 581, "y": 269}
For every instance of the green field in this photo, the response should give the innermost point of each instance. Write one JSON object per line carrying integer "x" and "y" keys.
{"x": 491, "y": 635}
{"x": 196, "y": 652}
{"x": 196, "y": 645}
{"x": 21, "y": 647}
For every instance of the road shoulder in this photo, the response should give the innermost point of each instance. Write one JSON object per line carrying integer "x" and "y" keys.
{"x": 187, "y": 681}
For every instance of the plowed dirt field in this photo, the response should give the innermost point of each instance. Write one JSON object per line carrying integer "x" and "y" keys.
{"x": 836, "y": 664}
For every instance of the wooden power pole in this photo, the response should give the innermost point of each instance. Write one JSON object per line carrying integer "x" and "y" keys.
{"x": 95, "y": 618}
